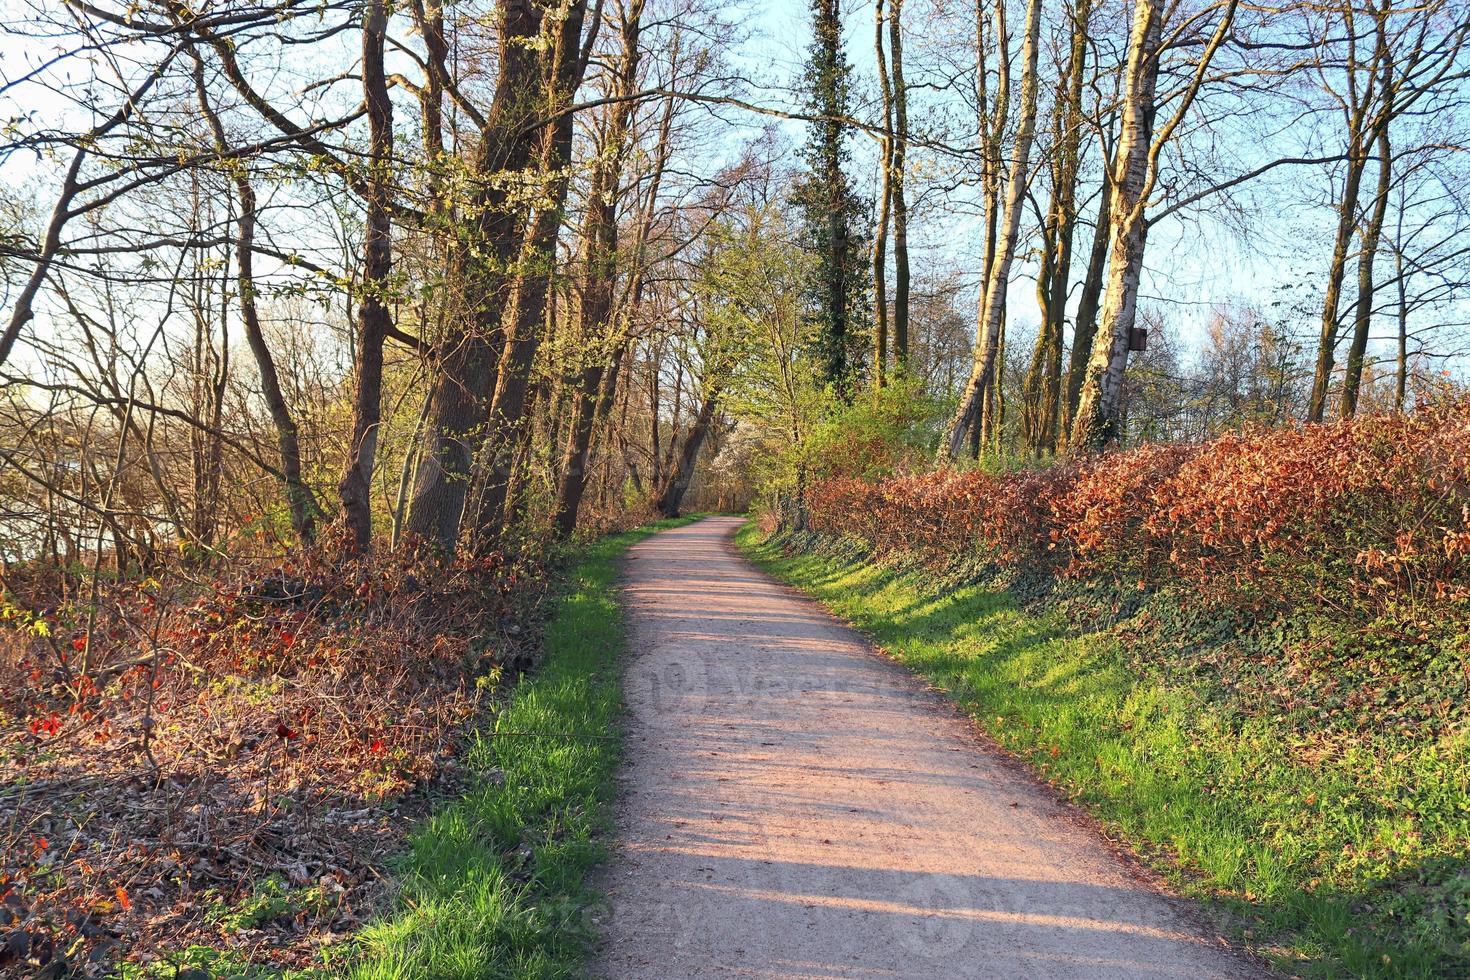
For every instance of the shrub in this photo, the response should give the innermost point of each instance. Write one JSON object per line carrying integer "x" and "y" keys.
{"x": 1359, "y": 516}
{"x": 944, "y": 517}
{"x": 1366, "y": 518}
{"x": 1100, "y": 524}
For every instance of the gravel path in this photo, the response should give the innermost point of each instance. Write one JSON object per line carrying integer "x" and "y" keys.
{"x": 796, "y": 805}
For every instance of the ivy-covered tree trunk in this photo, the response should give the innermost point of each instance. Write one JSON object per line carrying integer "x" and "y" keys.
{"x": 885, "y": 198}
{"x": 831, "y": 211}
{"x": 898, "y": 194}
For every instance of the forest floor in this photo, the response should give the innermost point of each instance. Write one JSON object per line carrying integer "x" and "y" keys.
{"x": 472, "y": 864}
{"x": 796, "y": 804}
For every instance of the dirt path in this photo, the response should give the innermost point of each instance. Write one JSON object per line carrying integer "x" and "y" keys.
{"x": 797, "y": 806}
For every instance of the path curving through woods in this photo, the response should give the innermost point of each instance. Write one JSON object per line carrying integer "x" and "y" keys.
{"x": 796, "y": 805}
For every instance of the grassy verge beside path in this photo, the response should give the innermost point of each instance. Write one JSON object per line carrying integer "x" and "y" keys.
{"x": 1341, "y": 867}
{"x": 495, "y": 882}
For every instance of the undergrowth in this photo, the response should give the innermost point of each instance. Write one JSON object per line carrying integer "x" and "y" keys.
{"x": 171, "y": 744}
{"x": 228, "y": 803}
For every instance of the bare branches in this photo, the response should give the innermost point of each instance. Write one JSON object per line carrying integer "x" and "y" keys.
{"x": 71, "y": 185}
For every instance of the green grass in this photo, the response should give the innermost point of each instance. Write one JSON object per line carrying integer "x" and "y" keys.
{"x": 1354, "y": 865}
{"x": 494, "y": 883}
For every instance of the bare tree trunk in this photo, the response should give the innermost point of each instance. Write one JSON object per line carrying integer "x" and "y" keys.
{"x": 298, "y": 495}
{"x": 1035, "y": 380}
{"x": 1336, "y": 270}
{"x": 374, "y": 319}
{"x": 429, "y": 19}
{"x": 1097, "y": 409}
{"x": 211, "y": 369}
{"x": 1087, "y": 303}
{"x": 1136, "y": 170}
{"x": 675, "y": 419}
{"x": 1042, "y": 394}
{"x": 987, "y": 344}
{"x": 993, "y": 414}
{"x": 599, "y": 255}
{"x": 1363, "y": 316}
{"x": 573, "y": 479}
{"x": 1359, "y": 137}
{"x": 299, "y": 499}
{"x": 655, "y": 438}
{"x": 672, "y": 497}
{"x": 1401, "y": 386}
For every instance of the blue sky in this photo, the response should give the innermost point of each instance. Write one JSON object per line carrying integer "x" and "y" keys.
{"x": 1192, "y": 265}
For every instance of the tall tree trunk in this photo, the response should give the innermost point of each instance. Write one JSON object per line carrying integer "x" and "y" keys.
{"x": 666, "y": 462}
{"x": 1336, "y": 271}
{"x": 885, "y": 196}
{"x": 299, "y": 498}
{"x": 992, "y": 121}
{"x": 536, "y": 269}
{"x": 827, "y": 200}
{"x": 1087, "y": 303}
{"x": 655, "y": 438}
{"x": 1038, "y": 391}
{"x": 1401, "y": 384}
{"x": 481, "y": 268}
{"x": 429, "y": 20}
{"x": 374, "y": 319}
{"x": 1135, "y": 172}
{"x": 1042, "y": 394}
{"x": 1359, "y": 137}
{"x": 993, "y": 408}
{"x": 987, "y": 344}
{"x": 573, "y": 480}
{"x": 1097, "y": 409}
